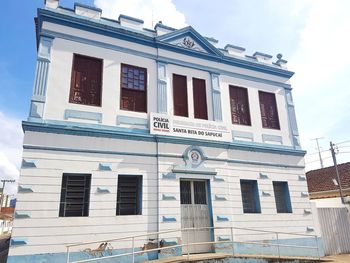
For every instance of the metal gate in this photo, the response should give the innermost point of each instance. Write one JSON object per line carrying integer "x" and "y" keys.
{"x": 195, "y": 214}
{"x": 335, "y": 227}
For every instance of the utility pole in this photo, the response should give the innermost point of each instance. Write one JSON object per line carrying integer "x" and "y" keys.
{"x": 4, "y": 181}
{"x": 337, "y": 172}
{"x": 318, "y": 148}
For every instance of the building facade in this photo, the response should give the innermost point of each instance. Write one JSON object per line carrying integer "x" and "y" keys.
{"x": 134, "y": 131}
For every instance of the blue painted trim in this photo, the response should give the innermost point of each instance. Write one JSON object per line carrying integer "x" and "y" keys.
{"x": 191, "y": 32}
{"x": 36, "y": 109}
{"x": 169, "y": 219}
{"x": 310, "y": 229}
{"x": 162, "y": 88}
{"x": 222, "y": 218}
{"x": 263, "y": 176}
{"x": 211, "y": 39}
{"x": 242, "y": 134}
{"x": 234, "y": 47}
{"x": 301, "y": 178}
{"x": 169, "y": 176}
{"x": 87, "y": 7}
{"x": 224, "y": 238}
{"x": 304, "y": 194}
{"x": 18, "y": 241}
{"x": 85, "y": 115}
{"x": 116, "y": 31}
{"x": 293, "y": 126}
{"x": 220, "y": 198}
{"x": 40, "y": 81}
{"x": 219, "y": 179}
{"x": 168, "y": 197}
{"x": 101, "y": 190}
{"x": 190, "y": 170}
{"x": 161, "y": 25}
{"x": 137, "y": 20}
{"x": 262, "y": 55}
{"x": 105, "y": 167}
{"x": 22, "y": 189}
{"x": 216, "y": 97}
{"x": 93, "y": 130}
{"x": 210, "y": 209}
{"x": 265, "y": 193}
{"x": 271, "y": 138}
{"x": 28, "y": 164}
{"x": 132, "y": 121}
{"x": 307, "y": 211}
{"x": 22, "y": 215}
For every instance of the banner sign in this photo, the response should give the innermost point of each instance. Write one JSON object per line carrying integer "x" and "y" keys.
{"x": 190, "y": 128}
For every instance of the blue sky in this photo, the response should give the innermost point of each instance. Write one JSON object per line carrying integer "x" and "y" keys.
{"x": 311, "y": 35}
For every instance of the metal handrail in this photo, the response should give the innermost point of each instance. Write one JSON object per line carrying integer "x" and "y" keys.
{"x": 133, "y": 253}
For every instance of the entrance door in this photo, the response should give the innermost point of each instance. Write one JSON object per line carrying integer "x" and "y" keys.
{"x": 195, "y": 214}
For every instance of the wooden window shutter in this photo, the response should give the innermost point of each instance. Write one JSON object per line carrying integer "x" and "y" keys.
{"x": 180, "y": 95}
{"x": 86, "y": 81}
{"x": 268, "y": 109}
{"x": 133, "y": 88}
{"x": 240, "y": 113}
{"x": 199, "y": 99}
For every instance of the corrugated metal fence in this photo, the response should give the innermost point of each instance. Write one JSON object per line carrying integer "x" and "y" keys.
{"x": 335, "y": 227}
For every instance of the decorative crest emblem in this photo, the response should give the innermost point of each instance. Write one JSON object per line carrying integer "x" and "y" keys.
{"x": 195, "y": 157}
{"x": 187, "y": 42}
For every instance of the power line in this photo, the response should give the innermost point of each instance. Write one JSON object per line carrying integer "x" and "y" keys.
{"x": 318, "y": 160}
{"x": 342, "y": 142}
{"x": 317, "y": 152}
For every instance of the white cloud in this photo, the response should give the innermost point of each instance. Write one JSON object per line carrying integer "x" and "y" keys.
{"x": 322, "y": 63}
{"x": 153, "y": 10}
{"x": 10, "y": 150}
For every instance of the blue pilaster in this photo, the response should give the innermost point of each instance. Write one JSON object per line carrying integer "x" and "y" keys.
{"x": 216, "y": 95}
{"x": 162, "y": 88}
{"x": 292, "y": 120}
{"x": 41, "y": 75}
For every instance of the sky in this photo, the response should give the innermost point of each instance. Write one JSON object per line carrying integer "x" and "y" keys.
{"x": 311, "y": 34}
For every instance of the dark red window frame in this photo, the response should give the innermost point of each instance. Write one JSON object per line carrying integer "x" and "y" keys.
{"x": 200, "y": 99}
{"x": 86, "y": 80}
{"x": 240, "y": 113}
{"x": 268, "y": 109}
{"x": 133, "y": 88}
{"x": 180, "y": 95}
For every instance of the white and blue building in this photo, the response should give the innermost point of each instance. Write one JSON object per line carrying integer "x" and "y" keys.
{"x": 134, "y": 131}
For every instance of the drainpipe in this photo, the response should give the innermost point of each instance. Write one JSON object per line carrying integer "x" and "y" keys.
{"x": 158, "y": 192}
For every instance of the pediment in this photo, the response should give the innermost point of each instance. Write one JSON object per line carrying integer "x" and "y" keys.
{"x": 190, "y": 39}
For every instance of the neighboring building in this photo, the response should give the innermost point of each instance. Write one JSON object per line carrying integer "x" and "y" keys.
{"x": 133, "y": 131}
{"x": 324, "y": 187}
{"x": 333, "y": 212}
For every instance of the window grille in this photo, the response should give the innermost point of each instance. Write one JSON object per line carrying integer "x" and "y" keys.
{"x": 282, "y": 197}
{"x": 129, "y": 195}
{"x": 75, "y": 195}
{"x": 250, "y": 196}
